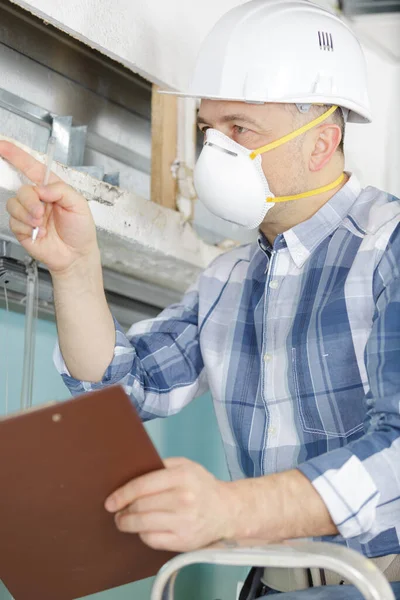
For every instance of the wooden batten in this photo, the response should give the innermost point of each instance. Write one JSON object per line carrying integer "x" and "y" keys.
{"x": 163, "y": 148}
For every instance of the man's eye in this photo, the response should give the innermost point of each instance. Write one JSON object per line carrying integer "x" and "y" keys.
{"x": 240, "y": 130}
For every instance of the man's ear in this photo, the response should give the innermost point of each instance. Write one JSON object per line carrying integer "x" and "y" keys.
{"x": 328, "y": 139}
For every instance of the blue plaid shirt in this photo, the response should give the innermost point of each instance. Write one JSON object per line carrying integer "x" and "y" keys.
{"x": 299, "y": 344}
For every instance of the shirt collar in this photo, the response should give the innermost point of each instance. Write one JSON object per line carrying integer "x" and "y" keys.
{"x": 302, "y": 239}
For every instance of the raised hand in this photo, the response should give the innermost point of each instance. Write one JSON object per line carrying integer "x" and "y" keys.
{"x": 66, "y": 228}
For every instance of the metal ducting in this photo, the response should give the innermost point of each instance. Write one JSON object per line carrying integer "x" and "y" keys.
{"x": 360, "y": 7}
{"x": 98, "y": 111}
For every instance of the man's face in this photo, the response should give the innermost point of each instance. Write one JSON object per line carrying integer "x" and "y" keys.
{"x": 255, "y": 125}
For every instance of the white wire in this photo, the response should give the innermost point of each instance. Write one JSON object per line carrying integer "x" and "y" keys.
{"x": 6, "y": 345}
{"x": 35, "y": 322}
{"x": 31, "y": 312}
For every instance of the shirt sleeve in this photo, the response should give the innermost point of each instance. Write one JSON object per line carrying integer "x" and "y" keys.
{"x": 158, "y": 361}
{"x": 360, "y": 483}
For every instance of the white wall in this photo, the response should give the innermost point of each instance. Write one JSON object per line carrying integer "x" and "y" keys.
{"x": 373, "y": 151}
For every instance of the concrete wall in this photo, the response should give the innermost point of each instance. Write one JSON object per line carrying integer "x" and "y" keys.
{"x": 136, "y": 237}
{"x": 158, "y": 39}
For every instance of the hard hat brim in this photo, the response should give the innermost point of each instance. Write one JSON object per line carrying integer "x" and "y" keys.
{"x": 357, "y": 114}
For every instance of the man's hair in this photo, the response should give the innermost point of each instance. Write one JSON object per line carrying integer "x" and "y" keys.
{"x": 314, "y": 112}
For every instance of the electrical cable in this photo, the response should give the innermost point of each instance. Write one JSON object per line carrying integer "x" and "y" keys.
{"x": 32, "y": 297}
{"x": 6, "y": 340}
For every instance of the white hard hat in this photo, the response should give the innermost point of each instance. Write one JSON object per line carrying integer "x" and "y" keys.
{"x": 290, "y": 51}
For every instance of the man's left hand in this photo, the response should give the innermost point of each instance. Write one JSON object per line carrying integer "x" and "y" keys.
{"x": 180, "y": 508}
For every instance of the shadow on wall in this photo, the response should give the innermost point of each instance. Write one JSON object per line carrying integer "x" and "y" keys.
{"x": 192, "y": 433}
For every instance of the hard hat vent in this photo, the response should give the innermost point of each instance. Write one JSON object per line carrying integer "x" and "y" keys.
{"x": 325, "y": 41}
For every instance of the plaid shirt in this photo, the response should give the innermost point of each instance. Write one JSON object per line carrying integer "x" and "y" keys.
{"x": 299, "y": 344}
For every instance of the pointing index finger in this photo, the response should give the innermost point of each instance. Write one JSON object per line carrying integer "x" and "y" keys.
{"x": 24, "y": 162}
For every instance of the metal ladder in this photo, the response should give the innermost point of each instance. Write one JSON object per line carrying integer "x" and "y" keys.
{"x": 354, "y": 567}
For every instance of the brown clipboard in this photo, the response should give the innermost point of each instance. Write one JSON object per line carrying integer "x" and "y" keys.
{"x": 58, "y": 465}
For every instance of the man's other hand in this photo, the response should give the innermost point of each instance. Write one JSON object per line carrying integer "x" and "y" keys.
{"x": 180, "y": 508}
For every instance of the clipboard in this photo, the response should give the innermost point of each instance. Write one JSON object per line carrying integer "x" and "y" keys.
{"x": 57, "y": 466}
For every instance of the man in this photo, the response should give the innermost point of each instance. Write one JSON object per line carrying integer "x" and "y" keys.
{"x": 296, "y": 336}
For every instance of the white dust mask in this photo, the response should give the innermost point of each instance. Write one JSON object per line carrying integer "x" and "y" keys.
{"x": 230, "y": 181}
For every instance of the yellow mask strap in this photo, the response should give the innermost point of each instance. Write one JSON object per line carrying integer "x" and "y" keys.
{"x": 294, "y": 134}
{"x": 321, "y": 190}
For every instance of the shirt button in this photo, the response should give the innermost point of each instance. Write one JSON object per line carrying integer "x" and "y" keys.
{"x": 273, "y": 284}
{"x": 267, "y": 357}
{"x": 272, "y": 430}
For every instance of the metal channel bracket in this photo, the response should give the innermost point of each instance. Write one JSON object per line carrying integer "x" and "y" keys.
{"x": 72, "y": 140}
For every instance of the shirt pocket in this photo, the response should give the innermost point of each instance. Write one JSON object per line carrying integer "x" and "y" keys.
{"x": 328, "y": 390}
